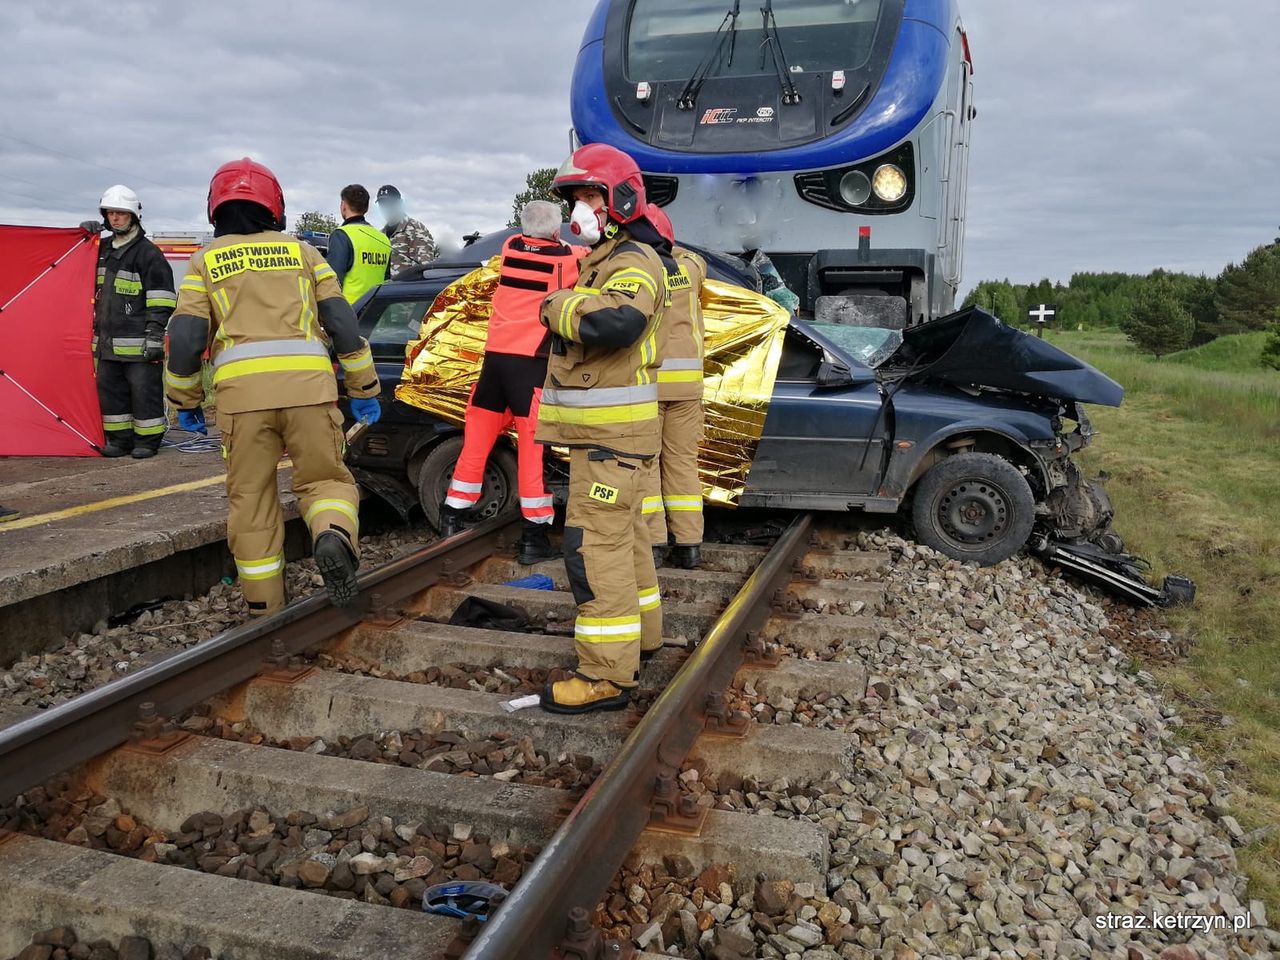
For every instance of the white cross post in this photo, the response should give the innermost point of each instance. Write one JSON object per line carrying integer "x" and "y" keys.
{"x": 1042, "y": 315}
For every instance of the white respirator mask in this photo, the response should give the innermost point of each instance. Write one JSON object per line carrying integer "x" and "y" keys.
{"x": 586, "y": 223}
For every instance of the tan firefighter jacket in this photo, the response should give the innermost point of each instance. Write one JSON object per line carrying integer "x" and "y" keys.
{"x": 260, "y": 294}
{"x": 602, "y": 384}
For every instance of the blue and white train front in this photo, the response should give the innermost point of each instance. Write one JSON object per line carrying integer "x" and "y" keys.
{"x": 831, "y": 134}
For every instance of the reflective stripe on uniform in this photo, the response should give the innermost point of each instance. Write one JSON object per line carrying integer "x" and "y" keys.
{"x": 244, "y": 368}
{"x": 598, "y": 416}
{"x": 462, "y": 495}
{"x": 462, "y": 487}
{"x": 534, "y": 503}
{"x": 607, "y": 629}
{"x": 679, "y": 376}
{"x": 117, "y": 421}
{"x": 650, "y": 599}
{"x": 127, "y": 346}
{"x": 651, "y": 505}
{"x": 181, "y": 383}
{"x": 565, "y": 325}
{"x": 361, "y": 361}
{"x": 323, "y": 270}
{"x": 600, "y": 396}
{"x": 344, "y": 507}
{"x": 149, "y": 428}
{"x": 193, "y": 281}
{"x": 263, "y": 569}
{"x": 681, "y": 363}
{"x": 270, "y": 356}
{"x": 161, "y": 298}
{"x": 683, "y": 504}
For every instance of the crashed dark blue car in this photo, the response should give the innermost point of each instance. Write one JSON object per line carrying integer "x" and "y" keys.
{"x": 963, "y": 425}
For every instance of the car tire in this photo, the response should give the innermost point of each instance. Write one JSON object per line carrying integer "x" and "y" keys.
{"x": 974, "y": 507}
{"x": 498, "y": 498}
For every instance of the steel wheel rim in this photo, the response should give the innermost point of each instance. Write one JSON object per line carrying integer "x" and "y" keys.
{"x": 974, "y": 512}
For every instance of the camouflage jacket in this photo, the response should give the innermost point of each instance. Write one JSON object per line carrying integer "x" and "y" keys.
{"x": 411, "y": 245}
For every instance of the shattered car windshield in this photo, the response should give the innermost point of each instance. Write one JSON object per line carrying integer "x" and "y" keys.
{"x": 870, "y": 346}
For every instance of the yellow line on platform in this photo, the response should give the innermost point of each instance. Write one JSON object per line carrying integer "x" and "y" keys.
{"x": 39, "y": 518}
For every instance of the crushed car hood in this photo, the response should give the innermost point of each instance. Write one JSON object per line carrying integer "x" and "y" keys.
{"x": 973, "y": 348}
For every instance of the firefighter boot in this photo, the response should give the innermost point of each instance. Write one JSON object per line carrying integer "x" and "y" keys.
{"x": 117, "y": 447}
{"x": 687, "y": 557}
{"x": 450, "y": 522}
{"x": 337, "y": 567}
{"x": 142, "y": 453}
{"x": 534, "y": 546}
{"x": 580, "y": 694}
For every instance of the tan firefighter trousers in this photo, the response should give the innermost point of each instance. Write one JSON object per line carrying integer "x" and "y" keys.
{"x": 610, "y": 566}
{"x": 327, "y": 496}
{"x": 673, "y": 494}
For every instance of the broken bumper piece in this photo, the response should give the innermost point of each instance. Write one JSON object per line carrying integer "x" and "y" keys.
{"x": 1117, "y": 573}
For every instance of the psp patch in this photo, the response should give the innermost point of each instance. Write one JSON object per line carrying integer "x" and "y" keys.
{"x": 604, "y": 493}
{"x": 630, "y": 287}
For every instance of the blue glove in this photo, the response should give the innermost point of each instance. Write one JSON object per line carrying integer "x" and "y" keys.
{"x": 366, "y": 411}
{"x": 193, "y": 421}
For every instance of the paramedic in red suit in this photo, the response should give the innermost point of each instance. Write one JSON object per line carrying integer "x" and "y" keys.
{"x": 534, "y": 263}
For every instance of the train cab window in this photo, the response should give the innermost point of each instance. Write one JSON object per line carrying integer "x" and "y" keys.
{"x": 667, "y": 39}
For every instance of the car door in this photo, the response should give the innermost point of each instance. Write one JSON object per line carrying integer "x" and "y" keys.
{"x": 824, "y": 436}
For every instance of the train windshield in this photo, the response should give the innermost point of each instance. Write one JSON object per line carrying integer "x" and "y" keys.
{"x": 667, "y": 39}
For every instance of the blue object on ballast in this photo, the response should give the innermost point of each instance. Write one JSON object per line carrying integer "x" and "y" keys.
{"x": 535, "y": 581}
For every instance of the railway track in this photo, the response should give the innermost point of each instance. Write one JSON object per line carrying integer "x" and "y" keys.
{"x": 368, "y": 754}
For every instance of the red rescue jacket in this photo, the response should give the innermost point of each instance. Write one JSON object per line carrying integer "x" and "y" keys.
{"x": 531, "y": 269}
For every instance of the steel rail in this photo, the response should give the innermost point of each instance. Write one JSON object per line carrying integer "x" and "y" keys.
{"x": 574, "y": 869}
{"x": 72, "y": 733}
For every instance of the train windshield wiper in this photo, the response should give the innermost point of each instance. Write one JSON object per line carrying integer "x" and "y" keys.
{"x": 689, "y": 95}
{"x": 773, "y": 43}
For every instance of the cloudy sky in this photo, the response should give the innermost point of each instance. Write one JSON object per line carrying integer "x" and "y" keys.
{"x": 1112, "y": 134}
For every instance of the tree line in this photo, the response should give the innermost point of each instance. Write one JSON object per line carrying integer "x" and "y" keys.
{"x": 1162, "y": 312}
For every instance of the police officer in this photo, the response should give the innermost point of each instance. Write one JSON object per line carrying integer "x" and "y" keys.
{"x": 134, "y": 300}
{"x": 411, "y": 242}
{"x": 534, "y": 263}
{"x": 359, "y": 253}
{"x": 601, "y": 401}
{"x": 267, "y": 305}
{"x": 673, "y": 506}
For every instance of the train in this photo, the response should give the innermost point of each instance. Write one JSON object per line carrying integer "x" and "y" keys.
{"x": 831, "y": 135}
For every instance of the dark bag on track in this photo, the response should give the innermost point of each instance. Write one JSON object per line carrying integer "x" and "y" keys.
{"x": 488, "y": 615}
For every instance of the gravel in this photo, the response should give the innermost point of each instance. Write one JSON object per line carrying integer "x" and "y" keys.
{"x": 1016, "y": 779}
{"x": 61, "y": 943}
{"x": 348, "y": 854}
{"x": 89, "y": 660}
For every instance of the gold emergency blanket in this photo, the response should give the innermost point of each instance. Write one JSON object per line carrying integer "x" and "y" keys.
{"x": 744, "y": 334}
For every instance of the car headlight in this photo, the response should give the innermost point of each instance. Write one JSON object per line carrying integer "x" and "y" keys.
{"x": 889, "y": 183}
{"x": 855, "y": 188}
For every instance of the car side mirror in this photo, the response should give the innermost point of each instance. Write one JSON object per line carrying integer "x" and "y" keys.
{"x": 833, "y": 375}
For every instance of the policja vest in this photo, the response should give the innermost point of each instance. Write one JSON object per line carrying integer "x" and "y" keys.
{"x": 681, "y": 333}
{"x": 604, "y": 393}
{"x": 531, "y": 269}
{"x": 370, "y": 258}
{"x": 259, "y": 293}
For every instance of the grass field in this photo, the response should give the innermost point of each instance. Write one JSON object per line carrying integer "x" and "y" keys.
{"x": 1194, "y": 460}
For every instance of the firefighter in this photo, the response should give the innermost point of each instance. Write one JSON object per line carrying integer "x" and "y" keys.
{"x": 601, "y": 401}
{"x": 534, "y": 263}
{"x": 134, "y": 300}
{"x": 266, "y": 306}
{"x": 359, "y": 252}
{"x": 673, "y": 506}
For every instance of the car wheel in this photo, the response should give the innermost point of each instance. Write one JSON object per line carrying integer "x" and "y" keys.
{"x": 498, "y": 497}
{"x": 975, "y": 507}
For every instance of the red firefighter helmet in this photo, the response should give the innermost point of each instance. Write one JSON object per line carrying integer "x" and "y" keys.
{"x": 246, "y": 180}
{"x": 609, "y": 170}
{"x": 661, "y": 222}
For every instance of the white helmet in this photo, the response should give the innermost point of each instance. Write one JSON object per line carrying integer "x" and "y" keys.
{"x": 120, "y": 197}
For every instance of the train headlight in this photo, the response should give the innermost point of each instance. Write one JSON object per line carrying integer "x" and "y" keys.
{"x": 889, "y": 183}
{"x": 855, "y": 188}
